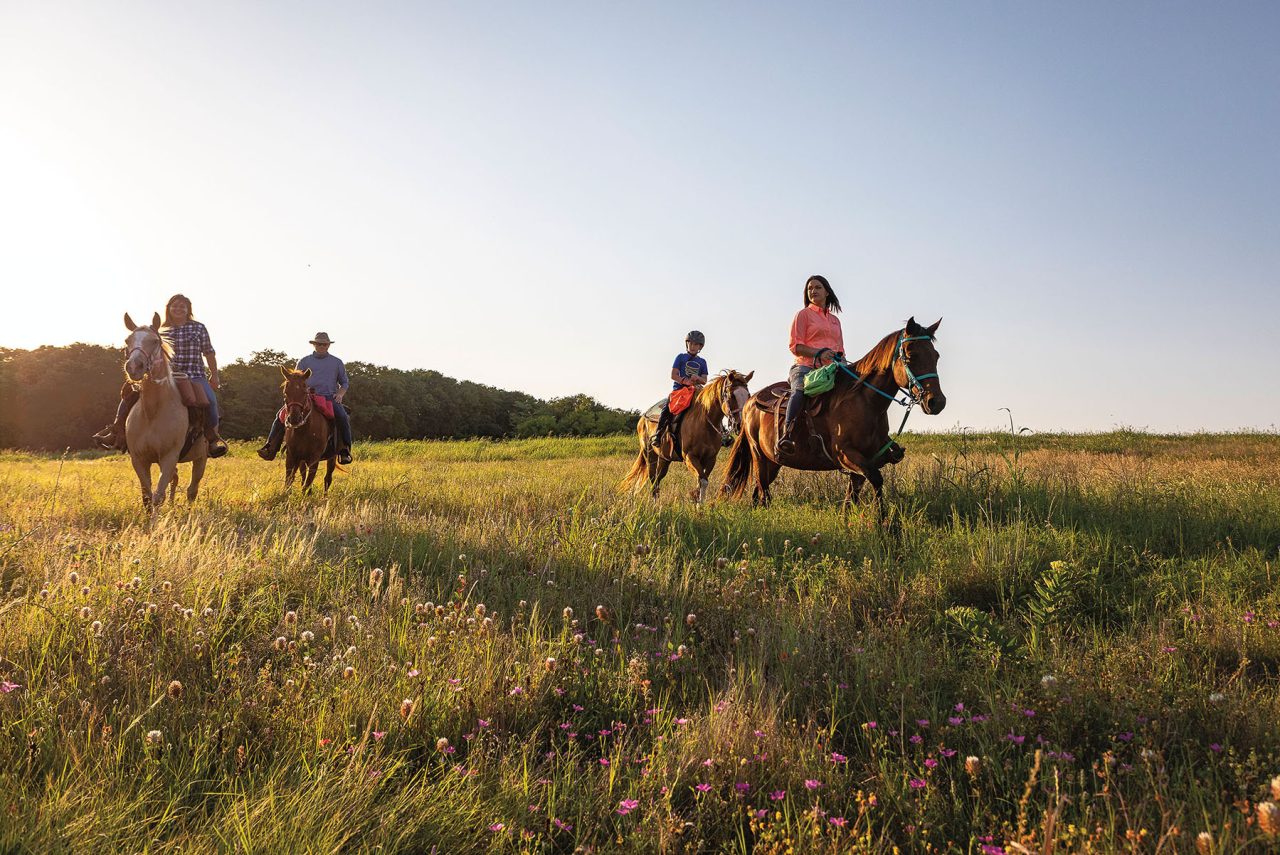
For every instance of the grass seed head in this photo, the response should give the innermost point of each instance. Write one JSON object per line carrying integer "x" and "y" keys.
{"x": 973, "y": 765}
{"x": 175, "y": 690}
{"x": 1204, "y": 843}
{"x": 1269, "y": 818}
{"x": 406, "y": 708}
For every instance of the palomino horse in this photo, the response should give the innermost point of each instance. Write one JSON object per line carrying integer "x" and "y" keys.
{"x": 846, "y": 428}
{"x": 701, "y": 434}
{"x": 306, "y": 434}
{"x": 157, "y": 426}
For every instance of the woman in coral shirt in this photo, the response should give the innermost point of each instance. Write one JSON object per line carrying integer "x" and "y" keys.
{"x": 816, "y": 339}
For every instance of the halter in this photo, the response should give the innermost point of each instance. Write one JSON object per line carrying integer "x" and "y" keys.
{"x": 726, "y": 396}
{"x": 308, "y": 410}
{"x": 915, "y": 389}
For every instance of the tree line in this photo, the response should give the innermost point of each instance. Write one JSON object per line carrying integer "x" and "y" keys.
{"x": 53, "y": 398}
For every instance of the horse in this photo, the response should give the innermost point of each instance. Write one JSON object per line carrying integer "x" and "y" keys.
{"x": 158, "y": 427}
{"x": 306, "y": 439}
{"x": 701, "y": 434}
{"x": 845, "y": 429}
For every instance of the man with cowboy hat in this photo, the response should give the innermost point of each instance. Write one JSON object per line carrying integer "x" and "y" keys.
{"x": 328, "y": 380}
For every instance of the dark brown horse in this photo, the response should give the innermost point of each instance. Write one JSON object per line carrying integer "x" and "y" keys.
{"x": 845, "y": 429}
{"x": 306, "y": 433}
{"x": 701, "y": 434}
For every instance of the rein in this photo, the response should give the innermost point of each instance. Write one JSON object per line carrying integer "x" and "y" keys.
{"x": 308, "y": 410}
{"x": 151, "y": 360}
{"x": 915, "y": 391}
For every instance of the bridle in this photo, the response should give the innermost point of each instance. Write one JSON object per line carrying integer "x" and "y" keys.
{"x": 292, "y": 406}
{"x": 734, "y": 418}
{"x": 151, "y": 356}
{"x": 915, "y": 383}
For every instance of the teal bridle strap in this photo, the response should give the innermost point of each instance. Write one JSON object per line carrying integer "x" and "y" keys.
{"x": 906, "y": 366}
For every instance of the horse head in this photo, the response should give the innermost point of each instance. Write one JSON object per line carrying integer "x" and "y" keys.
{"x": 145, "y": 347}
{"x": 297, "y": 396}
{"x": 734, "y": 396}
{"x": 916, "y": 367}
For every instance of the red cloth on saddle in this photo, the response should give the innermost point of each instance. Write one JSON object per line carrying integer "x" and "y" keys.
{"x": 324, "y": 405}
{"x": 680, "y": 399}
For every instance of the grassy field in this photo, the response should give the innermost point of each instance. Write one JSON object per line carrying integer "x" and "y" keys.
{"x": 1061, "y": 644}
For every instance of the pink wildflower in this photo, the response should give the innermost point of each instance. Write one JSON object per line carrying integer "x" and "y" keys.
{"x": 626, "y": 806}
{"x": 811, "y": 784}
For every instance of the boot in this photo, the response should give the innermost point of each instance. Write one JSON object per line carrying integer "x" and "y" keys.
{"x": 344, "y": 456}
{"x": 112, "y": 436}
{"x": 217, "y": 447}
{"x": 271, "y": 447}
{"x": 787, "y": 445}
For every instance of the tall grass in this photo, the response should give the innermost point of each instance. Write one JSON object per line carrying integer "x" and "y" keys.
{"x": 482, "y": 646}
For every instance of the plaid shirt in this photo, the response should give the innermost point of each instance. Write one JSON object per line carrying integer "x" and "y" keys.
{"x": 190, "y": 342}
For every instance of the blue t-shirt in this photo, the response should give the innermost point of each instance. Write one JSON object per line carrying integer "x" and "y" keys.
{"x": 688, "y": 365}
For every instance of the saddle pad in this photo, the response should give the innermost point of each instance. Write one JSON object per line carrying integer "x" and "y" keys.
{"x": 655, "y": 412}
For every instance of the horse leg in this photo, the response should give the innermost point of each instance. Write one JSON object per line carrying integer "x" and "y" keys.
{"x": 197, "y": 472}
{"x": 702, "y": 472}
{"x": 290, "y": 467}
{"x": 173, "y": 485}
{"x": 767, "y": 475}
{"x": 877, "y": 483}
{"x": 330, "y": 465}
{"x": 309, "y": 471}
{"x": 143, "y": 471}
{"x": 657, "y": 473}
{"x": 168, "y": 471}
{"x": 851, "y": 492}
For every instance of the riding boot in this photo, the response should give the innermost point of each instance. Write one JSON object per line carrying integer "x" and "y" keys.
{"x": 217, "y": 447}
{"x": 271, "y": 447}
{"x": 787, "y": 445}
{"x": 112, "y": 436}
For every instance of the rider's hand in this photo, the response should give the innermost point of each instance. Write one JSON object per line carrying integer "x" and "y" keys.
{"x": 213, "y": 380}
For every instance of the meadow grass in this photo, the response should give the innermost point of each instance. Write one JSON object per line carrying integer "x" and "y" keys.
{"x": 1059, "y": 643}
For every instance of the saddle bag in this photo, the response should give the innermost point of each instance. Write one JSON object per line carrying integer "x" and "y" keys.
{"x": 820, "y": 380}
{"x": 680, "y": 400}
{"x": 192, "y": 394}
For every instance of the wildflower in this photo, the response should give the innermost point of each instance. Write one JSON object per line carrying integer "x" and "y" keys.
{"x": 568, "y": 613}
{"x": 742, "y": 787}
{"x": 778, "y": 795}
{"x": 96, "y": 626}
{"x": 1217, "y": 698}
{"x": 1204, "y": 843}
{"x": 8, "y": 686}
{"x": 626, "y": 806}
{"x": 85, "y": 613}
{"x": 955, "y": 720}
{"x": 290, "y": 617}
{"x": 351, "y": 651}
{"x": 973, "y": 765}
{"x": 561, "y": 825}
{"x": 690, "y": 619}
{"x": 681, "y": 722}
{"x": 154, "y": 737}
{"x": 496, "y": 827}
{"x": 406, "y": 708}
{"x": 307, "y": 636}
{"x": 551, "y": 663}
{"x": 375, "y": 577}
{"x": 915, "y": 739}
{"x": 327, "y": 623}
{"x": 681, "y": 651}
{"x": 280, "y": 643}
{"x": 838, "y": 821}
{"x": 1048, "y": 681}
{"x": 442, "y": 745}
{"x": 378, "y": 735}
{"x": 1015, "y": 738}
{"x": 869, "y": 725}
{"x": 722, "y": 563}
{"x": 930, "y": 763}
{"x": 918, "y": 783}
{"x": 838, "y": 758}
{"x": 1169, "y": 648}
{"x": 1269, "y": 818}
{"x": 175, "y": 690}
{"x": 518, "y": 690}
{"x": 811, "y": 784}
{"x": 922, "y": 722}
{"x": 348, "y": 672}
{"x": 702, "y": 788}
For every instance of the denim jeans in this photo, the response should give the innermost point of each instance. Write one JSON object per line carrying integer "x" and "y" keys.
{"x": 344, "y": 422}
{"x": 796, "y": 378}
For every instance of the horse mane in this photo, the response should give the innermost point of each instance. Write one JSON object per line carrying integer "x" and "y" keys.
{"x": 879, "y": 358}
{"x": 726, "y": 375}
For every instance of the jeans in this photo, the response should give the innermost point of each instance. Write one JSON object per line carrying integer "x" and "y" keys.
{"x": 344, "y": 422}
{"x": 796, "y": 378}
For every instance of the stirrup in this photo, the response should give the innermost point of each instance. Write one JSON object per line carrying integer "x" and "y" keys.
{"x": 217, "y": 447}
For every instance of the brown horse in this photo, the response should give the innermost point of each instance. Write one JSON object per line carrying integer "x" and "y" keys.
{"x": 158, "y": 424}
{"x": 845, "y": 429}
{"x": 306, "y": 433}
{"x": 701, "y": 434}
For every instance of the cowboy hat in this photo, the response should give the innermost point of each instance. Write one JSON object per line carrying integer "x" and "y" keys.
{"x": 322, "y": 338}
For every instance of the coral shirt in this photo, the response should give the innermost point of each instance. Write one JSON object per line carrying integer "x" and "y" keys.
{"x": 817, "y": 328}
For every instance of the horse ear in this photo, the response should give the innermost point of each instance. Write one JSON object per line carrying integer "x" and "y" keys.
{"x": 284, "y": 372}
{"x": 747, "y": 379}
{"x": 155, "y": 320}
{"x": 911, "y": 324}
{"x": 934, "y": 329}
{"x": 306, "y": 373}
{"x": 128, "y": 323}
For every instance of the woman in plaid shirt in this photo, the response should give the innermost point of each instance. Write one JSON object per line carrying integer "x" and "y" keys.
{"x": 191, "y": 349}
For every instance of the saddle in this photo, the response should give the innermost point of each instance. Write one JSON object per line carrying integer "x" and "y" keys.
{"x": 197, "y": 404}
{"x": 774, "y": 398}
{"x": 653, "y": 415}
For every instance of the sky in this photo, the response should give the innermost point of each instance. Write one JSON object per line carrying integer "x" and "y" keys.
{"x": 548, "y": 196}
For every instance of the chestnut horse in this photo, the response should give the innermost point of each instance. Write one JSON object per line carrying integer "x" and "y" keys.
{"x": 157, "y": 426}
{"x": 845, "y": 429}
{"x": 306, "y": 433}
{"x": 701, "y": 434}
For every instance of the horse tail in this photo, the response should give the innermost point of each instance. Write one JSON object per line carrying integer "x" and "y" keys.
{"x": 639, "y": 471}
{"x": 738, "y": 471}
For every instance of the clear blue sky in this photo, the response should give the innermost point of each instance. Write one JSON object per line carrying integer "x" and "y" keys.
{"x": 547, "y": 196}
